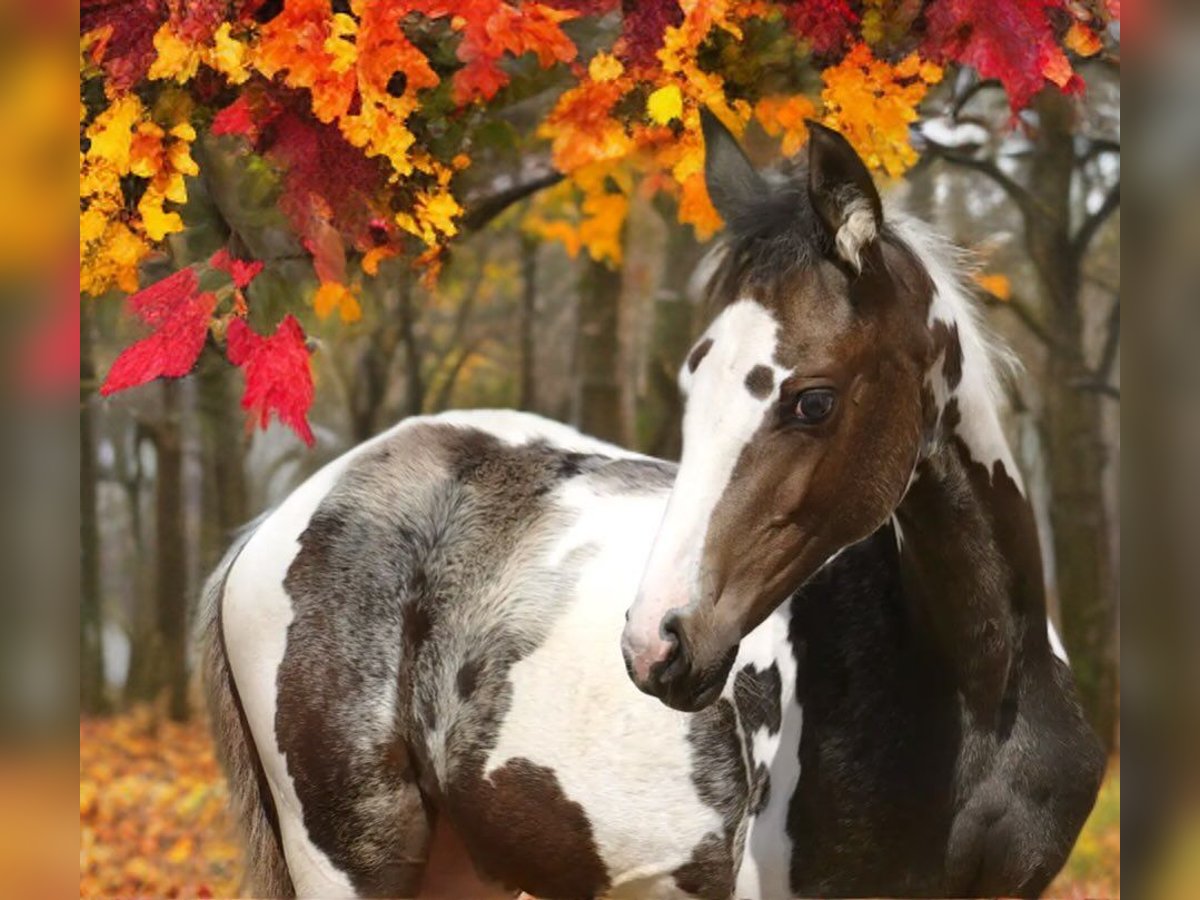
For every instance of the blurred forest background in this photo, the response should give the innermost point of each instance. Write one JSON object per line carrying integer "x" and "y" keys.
{"x": 169, "y": 471}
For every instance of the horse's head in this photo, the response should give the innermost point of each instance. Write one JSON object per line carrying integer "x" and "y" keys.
{"x": 804, "y": 415}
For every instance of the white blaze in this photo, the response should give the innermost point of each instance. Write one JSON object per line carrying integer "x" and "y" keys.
{"x": 720, "y": 418}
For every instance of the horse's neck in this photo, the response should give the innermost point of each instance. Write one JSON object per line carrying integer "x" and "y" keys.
{"x": 970, "y": 560}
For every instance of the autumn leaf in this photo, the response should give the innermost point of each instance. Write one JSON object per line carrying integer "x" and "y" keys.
{"x": 665, "y": 104}
{"x": 1010, "y": 40}
{"x": 995, "y": 284}
{"x": 242, "y": 271}
{"x": 827, "y": 25}
{"x": 278, "y": 374}
{"x": 180, "y": 318}
{"x": 333, "y": 295}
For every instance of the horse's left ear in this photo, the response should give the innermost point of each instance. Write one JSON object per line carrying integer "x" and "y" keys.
{"x": 842, "y": 193}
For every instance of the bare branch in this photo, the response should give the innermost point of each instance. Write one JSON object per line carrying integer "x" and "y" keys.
{"x": 1019, "y": 194}
{"x": 1098, "y": 147}
{"x": 1091, "y": 225}
{"x": 966, "y": 96}
{"x": 1112, "y": 343}
{"x": 1102, "y": 388}
{"x": 482, "y": 210}
{"x": 1027, "y": 317}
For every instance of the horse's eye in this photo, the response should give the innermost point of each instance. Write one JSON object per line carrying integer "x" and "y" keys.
{"x": 814, "y": 405}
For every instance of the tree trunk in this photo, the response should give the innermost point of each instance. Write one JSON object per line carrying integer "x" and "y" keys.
{"x": 1072, "y": 427}
{"x": 673, "y": 331}
{"x": 226, "y": 440}
{"x": 598, "y": 397}
{"x": 172, "y": 570}
{"x": 92, "y": 695}
{"x": 414, "y": 381}
{"x": 528, "y": 387}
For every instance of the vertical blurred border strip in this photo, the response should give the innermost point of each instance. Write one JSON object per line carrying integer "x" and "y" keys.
{"x": 39, "y": 354}
{"x": 1161, "y": 575}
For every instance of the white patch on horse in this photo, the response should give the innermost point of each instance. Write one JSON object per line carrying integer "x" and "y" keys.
{"x": 623, "y": 756}
{"x": 1056, "y": 644}
{"x": 256, "y": 614}
{"x": 978, "y": 392}
{"x": 742, "y": 337}
{"x": 767, "y": 855}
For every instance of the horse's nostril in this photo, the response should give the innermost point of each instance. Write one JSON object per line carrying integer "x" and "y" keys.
{"x": 672, "y": 664}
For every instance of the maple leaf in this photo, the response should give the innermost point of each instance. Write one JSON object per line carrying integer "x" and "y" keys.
{"x": 1009, "y": 40}
{"x": 242, "y": 271}
{"x": 124, "y": 37}
{"x": 827, "y": 25}
{"x": 333, "y": 295}
{"x": 665, "y": 104}
{"x": 239, "y": 118}
{"x": 642, "y": 28}
{"x": 180, "y": 318}
{"x": 278, "y": 374}
{"x": 491, "y": 29}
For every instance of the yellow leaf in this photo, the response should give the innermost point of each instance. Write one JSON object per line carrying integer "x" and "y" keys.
{"x": 605, "y": 67}
{"x": 1083, "y": 40}
{"x": 373, "y": 257}
{"x": 111, "y": 135}
{"x": 176, "y": 58}
{"x": 665, "y": 104}
{"x": 995, "y": 284}
{"x": 228, "y": 56}
{"x": 156, "y": 221}
{"x": 333, "y": 295}
{"x": 1057, "y": 68}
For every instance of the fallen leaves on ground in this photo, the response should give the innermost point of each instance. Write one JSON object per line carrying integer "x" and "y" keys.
{"x": 153, "y": 819}
{"x": 152, "y": 813}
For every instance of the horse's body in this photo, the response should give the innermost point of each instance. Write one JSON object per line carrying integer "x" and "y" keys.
{"x": 419, "y": 653}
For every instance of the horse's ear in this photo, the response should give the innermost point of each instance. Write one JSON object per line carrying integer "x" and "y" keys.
{"x": 842, "y": 193}
{"x": 733, "y": 184}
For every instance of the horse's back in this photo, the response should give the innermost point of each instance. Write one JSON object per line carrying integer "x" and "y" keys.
{"x": 433, "y": 621}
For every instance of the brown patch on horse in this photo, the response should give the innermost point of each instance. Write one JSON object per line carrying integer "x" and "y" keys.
{"x": 760, "y": 381}
{"x": 719, "y": 774}
{"x": 947, "y": 345}
{"x": 523, "y": 831}
{"x": 698, "y": 353}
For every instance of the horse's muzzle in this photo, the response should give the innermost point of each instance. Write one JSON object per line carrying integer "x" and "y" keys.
{"x": 676, "y": 679}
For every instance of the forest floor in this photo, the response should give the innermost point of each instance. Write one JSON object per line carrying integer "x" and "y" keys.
{"x": 153, "y": 823}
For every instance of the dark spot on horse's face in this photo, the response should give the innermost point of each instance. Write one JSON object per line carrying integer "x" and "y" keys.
{"x": 698, "y": 353}
{"x": 760, "y": 381}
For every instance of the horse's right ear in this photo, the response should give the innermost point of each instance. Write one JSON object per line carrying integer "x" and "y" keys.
{"x": 733, "y": 184}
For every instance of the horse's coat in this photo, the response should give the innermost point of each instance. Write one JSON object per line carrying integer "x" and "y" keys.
{"x": 417, "y": 658}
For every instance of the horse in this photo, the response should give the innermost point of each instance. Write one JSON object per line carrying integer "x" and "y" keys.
{"x": 483, "y": 653}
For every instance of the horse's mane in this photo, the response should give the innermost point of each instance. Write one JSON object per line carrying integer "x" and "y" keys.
{"x": 990, "y": 361}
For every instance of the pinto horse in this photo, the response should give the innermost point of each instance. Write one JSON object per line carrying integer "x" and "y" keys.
{"x": 483, "y": 653}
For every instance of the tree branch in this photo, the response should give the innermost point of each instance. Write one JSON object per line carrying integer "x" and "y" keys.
{"x": 1026, "y": 316}
{"x": 1091, "y": 225}
{"x": 1019, "y": 194}
{"x": 966, "y": 96}
{"x": 1098, "y": 147}
{"x": 484, "y": 209}
{"x": 1112, "y": 343}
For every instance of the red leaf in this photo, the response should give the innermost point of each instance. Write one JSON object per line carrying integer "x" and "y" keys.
{"x": 278, "y": 375}
{"x": 826, "y": 24}
{"x": 181, "y": 326}
{"x": 126, "y": 46}
{"x": 237, "y": 118}
{"x": 242, "y": 271}
{"x": 155, "y": 303}
{"x": 642, "y": 28}
{"x": 1010, "y": 40}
